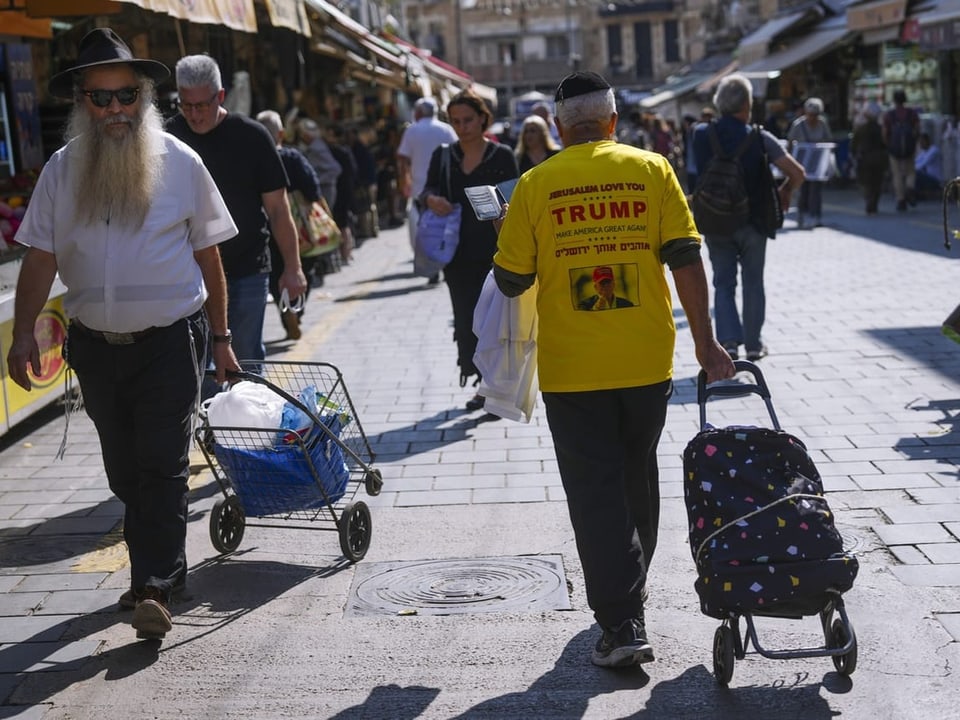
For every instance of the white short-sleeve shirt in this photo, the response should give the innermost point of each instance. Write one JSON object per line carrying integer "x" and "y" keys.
{"x": 418, "y": 143}
{"x": 123, "y": 280}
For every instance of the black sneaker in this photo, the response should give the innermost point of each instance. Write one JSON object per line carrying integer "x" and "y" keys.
{"x": 623, "y": 646}
{"x": 732, "y": 350}
{"x": 754, "y": 355}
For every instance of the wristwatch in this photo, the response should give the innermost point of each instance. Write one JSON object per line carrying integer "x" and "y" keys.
{"x": 226, "y": 338}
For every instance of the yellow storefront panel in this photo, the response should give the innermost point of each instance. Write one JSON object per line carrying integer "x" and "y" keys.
{"x": 51, "y": 331}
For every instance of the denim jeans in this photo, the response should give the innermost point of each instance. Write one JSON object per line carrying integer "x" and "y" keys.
{"x": 811, "y": 199}
{"x": 745, "y": 250}
{"x": 246, "y": 306}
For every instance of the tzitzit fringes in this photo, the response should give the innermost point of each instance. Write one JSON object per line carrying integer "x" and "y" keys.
{"x": 73, "y": 402}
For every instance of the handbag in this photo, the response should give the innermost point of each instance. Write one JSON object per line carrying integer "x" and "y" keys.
{"x": 772, "y": 215}
{"x": 317, "y": 233}
{"x": 437, "y": 237}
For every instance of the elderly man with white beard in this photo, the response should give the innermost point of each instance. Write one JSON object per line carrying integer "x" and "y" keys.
{"x": 131, "y": 219}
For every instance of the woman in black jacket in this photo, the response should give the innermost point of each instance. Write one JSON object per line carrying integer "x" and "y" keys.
{"x": 474, "y": 160}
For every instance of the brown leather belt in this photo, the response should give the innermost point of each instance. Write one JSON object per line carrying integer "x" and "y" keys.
{"x": 113, "y": 338}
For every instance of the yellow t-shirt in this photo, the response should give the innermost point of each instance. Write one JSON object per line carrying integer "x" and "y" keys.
{"x": 590, "y": 222}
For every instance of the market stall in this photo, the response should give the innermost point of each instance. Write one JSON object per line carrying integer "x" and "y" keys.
{"x": 21, "y": 156}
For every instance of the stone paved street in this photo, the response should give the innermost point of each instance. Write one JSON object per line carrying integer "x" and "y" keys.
{"x": 858, "y": 369}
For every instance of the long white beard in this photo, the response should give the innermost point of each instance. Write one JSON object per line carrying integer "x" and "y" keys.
{"x": 115, "y": 177}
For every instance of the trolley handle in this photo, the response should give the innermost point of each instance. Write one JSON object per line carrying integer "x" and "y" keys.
{"x": 758, "y": 387}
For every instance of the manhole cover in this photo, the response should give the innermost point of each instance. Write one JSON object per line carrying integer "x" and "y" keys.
{"x": 449, "y": 587}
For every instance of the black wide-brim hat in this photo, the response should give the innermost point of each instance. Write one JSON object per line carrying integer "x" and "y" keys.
{"x": 99, "y": 47}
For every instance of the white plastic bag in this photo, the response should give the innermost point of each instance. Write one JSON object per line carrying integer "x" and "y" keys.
{"x": 246, "y": 404}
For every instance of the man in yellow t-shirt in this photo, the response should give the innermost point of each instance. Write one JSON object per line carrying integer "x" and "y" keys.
{"x": 604, "y": 213}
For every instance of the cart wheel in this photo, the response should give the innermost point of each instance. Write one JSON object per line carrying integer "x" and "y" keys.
{"x": 355, "y": 528}
{"x": 724, "y": 644}
{"x": 373, "y": 482}
{"x": 842, "y": 632}
{"x": 226, "y": 524}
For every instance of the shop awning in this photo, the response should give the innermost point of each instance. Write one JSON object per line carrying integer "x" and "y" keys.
{"x": 943, "y": 11}
{"x": 16, "y": 23}
{"x": 809, "y": 47}
{"x": 288, "y": 14}
{"x": 710, "y": 84}
{"x": 680, "y": 86}
{"x": 937, "y": 28}
{"x": 877, "y": 14}
{"x": 755, "y": 45}
{"x": 236, "y": 14}
{"x": 385, "y": 51}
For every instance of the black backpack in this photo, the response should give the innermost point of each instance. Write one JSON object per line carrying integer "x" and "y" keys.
{"x": 720, "y": 202}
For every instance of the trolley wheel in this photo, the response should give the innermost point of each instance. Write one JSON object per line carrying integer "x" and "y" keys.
{"x": 226, "y": 524}
{"x": 724, "y": 647}
{"x": 843, "y": 632}
{"x": 373, "y": 482}
{"x": 355, "y": 528}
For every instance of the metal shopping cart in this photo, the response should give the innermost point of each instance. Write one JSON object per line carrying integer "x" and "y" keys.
{"x": 305, "y": 477}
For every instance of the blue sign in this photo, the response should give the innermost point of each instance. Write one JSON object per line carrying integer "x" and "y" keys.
{"x": 24, "y": 105}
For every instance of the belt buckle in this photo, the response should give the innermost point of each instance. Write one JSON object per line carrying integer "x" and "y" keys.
{"x": 119, "y": 338}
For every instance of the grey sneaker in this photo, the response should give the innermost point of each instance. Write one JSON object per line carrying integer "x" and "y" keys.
{"x": 623, "y": 646}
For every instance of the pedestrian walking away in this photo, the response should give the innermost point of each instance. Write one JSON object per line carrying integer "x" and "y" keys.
{"x": 419, "y": 140}
{"x": 743, "y": 251}
{"x": 131, "y": 220}
{"x": 474, "y": 160}
{"x": 242, "y": 158}
{"x": 901, "y": 129}
{"x": 301, "y": 178}
{"x": 870, "y": 153}
{"x": 606, "y": 415}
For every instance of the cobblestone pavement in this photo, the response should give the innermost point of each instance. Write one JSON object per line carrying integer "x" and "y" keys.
{"x": 858, "y": 369}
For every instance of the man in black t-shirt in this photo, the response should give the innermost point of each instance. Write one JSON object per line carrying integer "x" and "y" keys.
{"x": 242, "y": 158}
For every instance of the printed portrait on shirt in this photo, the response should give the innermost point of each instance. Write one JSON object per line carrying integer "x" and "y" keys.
{"x": 604, "y": 287}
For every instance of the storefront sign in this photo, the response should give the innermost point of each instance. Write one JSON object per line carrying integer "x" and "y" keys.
{"x": 50, "y": 331}
{"x": 25, "y": 110}
{"x": 289, "y": 14}
{"x": 876, "y": 14}
{"x": 19, "y": 24}
{"x": 67, "y": 8}
{"x": 940, "y": 36}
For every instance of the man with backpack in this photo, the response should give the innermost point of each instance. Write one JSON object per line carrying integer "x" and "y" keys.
{"x": 901, "y": 128}
{"x": 735, "y": 232}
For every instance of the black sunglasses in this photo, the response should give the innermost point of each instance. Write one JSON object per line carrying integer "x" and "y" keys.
{"x": 103, "y": 98}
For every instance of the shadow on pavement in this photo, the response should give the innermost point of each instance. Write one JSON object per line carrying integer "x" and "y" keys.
{"x": 427, "y": 434}
{"x": 221, "y": 591}
{"x": 405, "y": 703}
{"x": 30, "y": 545}
{"x": 567, "y": 690}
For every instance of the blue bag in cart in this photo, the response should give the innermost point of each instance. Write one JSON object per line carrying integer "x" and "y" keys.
{"x": 284, "y": 478}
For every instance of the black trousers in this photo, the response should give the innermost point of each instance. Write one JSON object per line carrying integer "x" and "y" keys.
{"x": 606, "y": 445}
{"x": 464, "y": 282}
{"x": 142, "y": 398}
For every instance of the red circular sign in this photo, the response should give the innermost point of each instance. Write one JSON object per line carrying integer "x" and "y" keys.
{"x": 51, "y": 332}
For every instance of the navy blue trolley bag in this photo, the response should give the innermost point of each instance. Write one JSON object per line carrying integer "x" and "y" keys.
{"x": 762, "y": 536}
{"x": 761, "y": 533}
